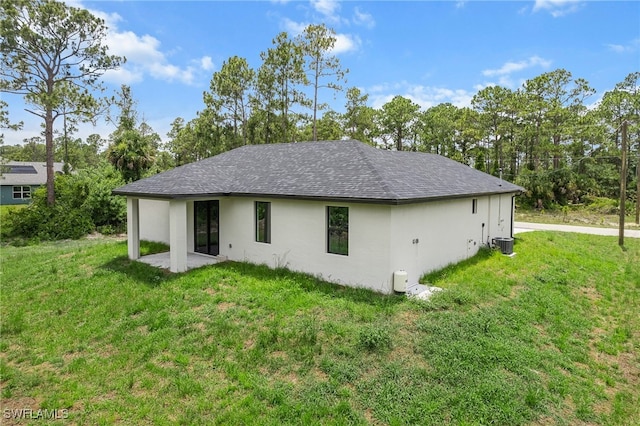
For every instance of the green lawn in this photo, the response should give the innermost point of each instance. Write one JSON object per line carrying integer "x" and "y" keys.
{"x": 550, "y": 336}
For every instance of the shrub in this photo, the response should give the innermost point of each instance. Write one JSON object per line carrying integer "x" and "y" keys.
{"x": 83, "y": 203}
{"x": 601, "y": 205}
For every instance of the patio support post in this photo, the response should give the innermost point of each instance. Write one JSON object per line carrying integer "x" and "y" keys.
{"x": 178, "y": 235}
{"x": 133, "y": 228}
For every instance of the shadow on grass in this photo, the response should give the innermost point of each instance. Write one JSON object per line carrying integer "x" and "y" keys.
{"x": 139, "y": 271}
{"x": 483, "y": 254}
{"x": 311, "y": 283}
{"x": 153, "y": 276}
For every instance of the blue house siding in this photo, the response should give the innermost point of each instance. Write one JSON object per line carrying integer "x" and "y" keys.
{"x": 6, "y": 195}
{"x": 19, "y": 179}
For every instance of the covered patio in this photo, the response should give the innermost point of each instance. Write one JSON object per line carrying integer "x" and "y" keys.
{"x": 194, "y": 260}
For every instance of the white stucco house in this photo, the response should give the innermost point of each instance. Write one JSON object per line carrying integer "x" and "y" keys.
{"x": 342, "y": 210}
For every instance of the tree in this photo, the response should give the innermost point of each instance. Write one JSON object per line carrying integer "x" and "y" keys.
{"x": 398, "y": 119}
{"x": 230, "y": 90}
{"x": 470, "y": 135}
{"x": 33, "y": 150}
{"x": 317, "y": 42}
{"x": 200, "y": 138}
{"x": 278, "y": 78}
{"x": 328, "y": 128}
{"x": 358, "y": 120}
{"x": 439, "y": 130}
{"x": 5, "y": 123}
{"x": 491, "y": 103}
{"x": 52, "y": 54}
{"x": 618, "y": 106}
{"x": 131, "y": 154}
{"x": 132, "y": 149}
{"x": 559, "y": 98}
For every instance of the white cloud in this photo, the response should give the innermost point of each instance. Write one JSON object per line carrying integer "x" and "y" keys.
{"x": 425, "y": 96}
{"x": 110, "y": 19}
{"x": 136, "y": 49}
{"x": 292, "y": 27}
{"x": 346, "y": 43}
{"x": 169, "y": 72}
{"x": 363, "y": 19}
{"x": 632, "y": 46}
{"x": 557, "y": 8}
{"x": 328, "y": 8}
{"x": 123, "y": 75}
{"x": 143, "y": 53}
{"x": 511, "y": 67}
{"x": 618, "y": 48}
{"x": 206, "y": 63}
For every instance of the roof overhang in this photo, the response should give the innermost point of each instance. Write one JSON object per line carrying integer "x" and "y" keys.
{"x": 383, "y": 201}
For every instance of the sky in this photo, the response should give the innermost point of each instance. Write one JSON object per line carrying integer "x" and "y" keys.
{"x": 431, "y": 52}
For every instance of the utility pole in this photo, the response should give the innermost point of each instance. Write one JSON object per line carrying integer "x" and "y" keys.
{"x": 623, "y": 183}
{"x": 638, "y": 188}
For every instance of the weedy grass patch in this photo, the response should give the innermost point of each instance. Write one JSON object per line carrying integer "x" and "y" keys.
{"x": 548, "y": 336}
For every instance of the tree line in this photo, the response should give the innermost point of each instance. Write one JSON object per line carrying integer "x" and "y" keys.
{"x": 552, "y": 135}
{"x": 549, "y": 135}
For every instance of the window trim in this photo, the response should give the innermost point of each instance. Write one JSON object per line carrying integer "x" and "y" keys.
{"x": 24, "y": 192}
{"x": 474, "y": 205}
{"x": 343, "y": 229}
{"x": 267, "y": 222}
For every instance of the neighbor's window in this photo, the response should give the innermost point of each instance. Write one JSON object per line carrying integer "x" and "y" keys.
{"x": 263, "y": 222}
{"x": 338, "y": 230}
{"x": 22, "y": 192}
{"x": 474, "y": 206}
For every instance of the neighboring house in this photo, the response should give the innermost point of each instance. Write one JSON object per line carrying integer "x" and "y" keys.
{"x": 342, "y": 210}
{"x": 18, "y": 180}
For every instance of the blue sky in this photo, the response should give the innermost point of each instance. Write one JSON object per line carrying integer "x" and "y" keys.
{"x": 429, "y": 51}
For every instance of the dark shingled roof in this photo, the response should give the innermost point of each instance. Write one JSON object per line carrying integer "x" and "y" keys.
{"x": 330, "y": 170}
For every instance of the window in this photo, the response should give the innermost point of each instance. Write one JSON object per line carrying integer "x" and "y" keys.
{"x": 474, "y": 206}
{"x": 21, "y": 192}
{"x": 338, "y": 230}
{"x": 263, "y": 222}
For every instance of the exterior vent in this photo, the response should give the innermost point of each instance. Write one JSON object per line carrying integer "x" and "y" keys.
{"x": 504, "y": 244}
{"x": 400, "y": 279}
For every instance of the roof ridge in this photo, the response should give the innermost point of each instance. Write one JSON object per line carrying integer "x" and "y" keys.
{"x": 361, "y": 146}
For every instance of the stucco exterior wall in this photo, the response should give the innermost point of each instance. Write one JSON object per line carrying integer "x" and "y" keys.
{"x": 299, "y": 240}
{"x": 154, "y": 220}
{"x": 429, "y": 236}
{"x": 417, "y": 238}
{"x": 500, "y": 210}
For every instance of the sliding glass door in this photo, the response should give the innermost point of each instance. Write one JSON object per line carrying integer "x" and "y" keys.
{"x": 206, "y": 226}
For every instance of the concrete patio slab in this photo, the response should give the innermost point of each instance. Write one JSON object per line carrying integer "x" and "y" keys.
{"x": 194, "y": 260}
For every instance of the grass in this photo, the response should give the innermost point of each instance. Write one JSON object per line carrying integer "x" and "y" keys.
{"x": 549, "y": 336}
{"x": 604, "y": 217}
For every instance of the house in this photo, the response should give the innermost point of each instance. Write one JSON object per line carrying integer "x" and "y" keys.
{"x": 18, "y": 180}
{"x": 342, "y": 210}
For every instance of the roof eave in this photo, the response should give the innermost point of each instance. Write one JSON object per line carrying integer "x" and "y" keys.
{"x": 384, "y": 201}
